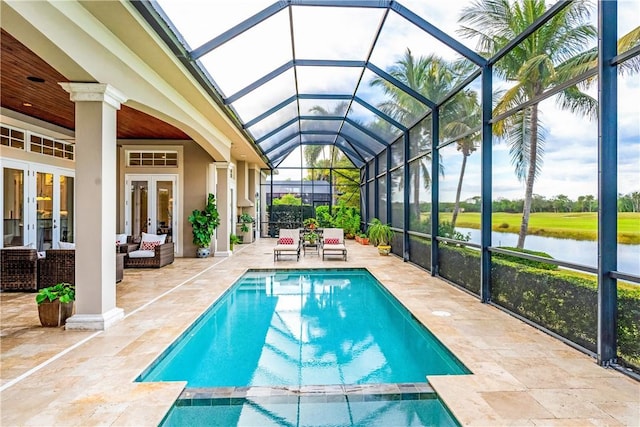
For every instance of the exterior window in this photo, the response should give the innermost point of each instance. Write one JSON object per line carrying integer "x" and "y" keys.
{"x": 21, "y": 139}
{"x": 152, "y": 159}
{"x": 12, "y": 137}
{"x": 50, "y": 147}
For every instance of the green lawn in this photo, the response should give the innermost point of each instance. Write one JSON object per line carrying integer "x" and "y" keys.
{"x": 579, "y": 226}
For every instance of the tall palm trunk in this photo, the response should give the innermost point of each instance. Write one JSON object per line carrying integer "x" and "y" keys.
{"x": 416, "y": 194}
{"x": 456, "y": 208}
{"x": 531, "y": 176}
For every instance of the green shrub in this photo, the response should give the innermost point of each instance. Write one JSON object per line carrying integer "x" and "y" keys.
{"x": 563, "y": 301}
{"x": 524, "y": 261}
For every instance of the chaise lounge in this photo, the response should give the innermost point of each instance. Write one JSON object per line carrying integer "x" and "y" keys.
{"x": 333, "y": 243}
{"x": 288, "y": 244}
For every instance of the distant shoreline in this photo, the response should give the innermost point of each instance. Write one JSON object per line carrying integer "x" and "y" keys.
{"x": 561, "y": 225}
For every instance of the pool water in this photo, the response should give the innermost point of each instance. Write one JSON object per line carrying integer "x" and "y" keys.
{"x": 305, "y": 327}
{"x": 312, "y": 411}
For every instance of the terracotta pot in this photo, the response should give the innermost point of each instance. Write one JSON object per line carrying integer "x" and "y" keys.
{"x": 54, "y": 313}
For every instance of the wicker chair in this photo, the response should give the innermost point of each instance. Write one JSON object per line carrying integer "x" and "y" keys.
{"x": 58, "y": 265}
{"x": 18, "y": 269}
{"x": 163, "y": 255}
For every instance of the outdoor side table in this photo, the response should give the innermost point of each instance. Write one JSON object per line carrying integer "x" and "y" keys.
{"x": 312, "y": 248}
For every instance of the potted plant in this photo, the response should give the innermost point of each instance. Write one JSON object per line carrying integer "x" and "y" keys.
{"x": 380, "y": 235}
{"x": 245, "y": 223}
{"x": 55, "y": 304}
{"x": 204, "y": 223}
{"x": 310, "y": 223}
{"x": 311, "y": 237}
{"x": 364, "y": 240}
{"x": 233, "y": 240}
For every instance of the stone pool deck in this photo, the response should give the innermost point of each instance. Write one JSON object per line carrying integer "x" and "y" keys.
{"x": 521, "y": 376}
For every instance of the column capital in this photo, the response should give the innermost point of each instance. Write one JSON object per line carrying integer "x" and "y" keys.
{"x": 94, "y": 92}
{"x": 221, "y": 165}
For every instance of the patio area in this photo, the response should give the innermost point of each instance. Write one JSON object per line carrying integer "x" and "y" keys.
{"x": 521, "y": 376}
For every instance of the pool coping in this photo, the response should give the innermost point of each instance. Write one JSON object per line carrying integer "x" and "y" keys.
{"x": 213, "y": 396}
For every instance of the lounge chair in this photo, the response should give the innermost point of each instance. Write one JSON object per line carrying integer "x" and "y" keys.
{"x": 333, "y": 243}
{"x": 288, "y": 243}
{"x": 153, "y": 252}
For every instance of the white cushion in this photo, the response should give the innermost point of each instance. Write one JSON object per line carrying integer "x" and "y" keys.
{"x": 29, "y": 246}
{"x": 142, "y": 254}
{"x": 121, "y": 238}
{"x": 146, "y": 237}
{"x": 66, "y": 245}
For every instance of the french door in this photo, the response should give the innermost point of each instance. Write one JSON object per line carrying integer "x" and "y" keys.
{"x": 38, "y": 205}
{"x": 150, "y": 203}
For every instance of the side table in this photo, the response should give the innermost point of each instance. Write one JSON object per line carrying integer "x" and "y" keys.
{"x": 312, "y": 248}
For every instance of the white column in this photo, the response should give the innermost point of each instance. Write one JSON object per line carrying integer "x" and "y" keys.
{"x": 223, "y": 203}
{"x": 96, "y": 106}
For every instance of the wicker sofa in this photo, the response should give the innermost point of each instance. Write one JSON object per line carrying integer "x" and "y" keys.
{"x": 18, "y": 269}
{"x": 58, "y": 265}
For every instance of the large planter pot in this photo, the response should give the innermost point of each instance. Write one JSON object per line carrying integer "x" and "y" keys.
{"x": 203, "y": 252}
{"x": 55, "y": 313}
{"x": 384, "y": 249}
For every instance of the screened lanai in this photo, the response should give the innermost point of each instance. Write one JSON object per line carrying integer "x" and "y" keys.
{"x": 426, "y": 115}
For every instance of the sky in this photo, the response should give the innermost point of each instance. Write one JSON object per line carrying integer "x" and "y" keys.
{"x": 570, "y": 157}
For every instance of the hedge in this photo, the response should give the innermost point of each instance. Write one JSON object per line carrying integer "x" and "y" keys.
{"x": 562, "y": 301}
{"x": 287, "y": 216}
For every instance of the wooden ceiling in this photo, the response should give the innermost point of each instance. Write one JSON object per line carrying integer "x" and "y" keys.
{"x": 26, "y": 79}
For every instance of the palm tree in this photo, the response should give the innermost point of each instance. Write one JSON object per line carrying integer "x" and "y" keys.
{"x": 462, "y": 116}
{"x": 313, "y": 153}
{"x": 432, "y": 77}
{"x": 541, "y": 61}
{"x": 589, "y": 59}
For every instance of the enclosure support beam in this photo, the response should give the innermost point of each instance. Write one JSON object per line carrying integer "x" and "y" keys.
{"x": 376, "y": 190}
{"x": 485, "y": 184}
{"x": 407, "y": 191}
{"x": 388, "y": 186}
{"x": 435, "y": 173}
{"x": 607, "y": 181}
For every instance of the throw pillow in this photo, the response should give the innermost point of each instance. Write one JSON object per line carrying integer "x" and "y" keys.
{"x": 121, "y": 238}
{"x": 285, "y": 241}
{"x": 331, "y": 241}
{"x": 149, "y": 246}
{"x": 146, "y": 237}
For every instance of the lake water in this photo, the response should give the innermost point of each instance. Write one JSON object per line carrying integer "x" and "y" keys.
{"x": 584, "y": 252}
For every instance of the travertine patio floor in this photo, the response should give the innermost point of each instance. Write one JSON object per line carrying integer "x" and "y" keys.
{"x": 521, "y": 376}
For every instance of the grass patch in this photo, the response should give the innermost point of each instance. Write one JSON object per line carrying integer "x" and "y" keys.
{"x": 574, "y": 225}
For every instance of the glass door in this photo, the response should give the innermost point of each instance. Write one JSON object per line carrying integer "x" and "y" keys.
{"x": 44, "y": 211}
{"x": 150, "y": 205}
{"x": 37, "y": 204}
{"x": 13, "y": 206}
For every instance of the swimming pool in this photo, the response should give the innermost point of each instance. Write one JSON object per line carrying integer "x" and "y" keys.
{"x": 304, "y": 327}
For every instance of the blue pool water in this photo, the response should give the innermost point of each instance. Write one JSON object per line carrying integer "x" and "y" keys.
{"x": 312, "y": 411}
{"x": 305, "y": 327}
